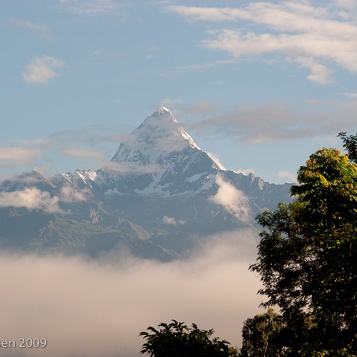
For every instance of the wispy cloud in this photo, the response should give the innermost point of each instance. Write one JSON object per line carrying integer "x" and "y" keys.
{"x": 92, "y": 145}
{"x": 42, "y": 30}
{"x": 298, "y": 31}
{"x": 92, "y": 7}
{"x": 167, "y": 102}
{"x": 151, "y": 53}
{"x": 127, "y": 168}
{"x": 215, "y": 14}
{"x": 351, "y": 95}
{"x": 203, "y": 107}
{"x": 199, "y": 67}
{"x": 198, "y": 108}
{"x": 279, "y": 122}
{"x": 42, "y": 69}
{"x": 86, "y": 142}
{"x": 203, "y": 66}
{"x": 82, "y": 152}
{"x": 17, "y": 155}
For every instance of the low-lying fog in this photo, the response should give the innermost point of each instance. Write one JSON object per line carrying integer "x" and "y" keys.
{"x": 97, "y": 308}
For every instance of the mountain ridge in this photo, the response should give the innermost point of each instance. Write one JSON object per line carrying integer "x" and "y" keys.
{"x": 162, "y": 195}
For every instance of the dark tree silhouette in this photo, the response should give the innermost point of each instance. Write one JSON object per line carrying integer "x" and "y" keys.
{"x": 350, "y": 144}
{"x": 178, "y": 340}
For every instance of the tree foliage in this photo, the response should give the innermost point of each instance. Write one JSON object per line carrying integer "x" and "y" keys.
{"x": 178, "y": 340}
{"x": 350, "y": 144}
{"x": 261, "y": 335}
{"x": 307, "y": 259}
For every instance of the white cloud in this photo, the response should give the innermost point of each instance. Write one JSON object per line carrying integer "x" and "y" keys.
{"x": 30, "y": 198}
{"x": 87, "y": 308}
{"x": 35, "y": 199}
{"x": 42, "y": 69}
{"x": 319, "y": 72}
{"x": 312, "y": 36}
{"x": 82, "y": 152}
{"x": 232, "y": 199}
{"x": 172, "y": 221}
{"x": 69, "y": 194}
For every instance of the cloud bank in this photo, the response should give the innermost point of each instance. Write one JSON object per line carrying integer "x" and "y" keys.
{"x": 87, "y": 308}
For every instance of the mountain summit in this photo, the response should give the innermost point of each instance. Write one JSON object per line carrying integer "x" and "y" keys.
{"x": 163, "y": 150}
{"x": 157, "y": 137}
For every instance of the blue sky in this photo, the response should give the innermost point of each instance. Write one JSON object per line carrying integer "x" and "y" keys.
{"x": 262, "y": 85}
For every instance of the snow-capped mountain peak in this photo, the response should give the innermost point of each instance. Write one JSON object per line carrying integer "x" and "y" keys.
{"x": 161, "y": 109}
{"x": 168, "y": 157}
{"x": 158, "y": 136}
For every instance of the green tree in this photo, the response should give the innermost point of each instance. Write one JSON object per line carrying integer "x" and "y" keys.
{"x": 178, "y": 340}
{"x": 261, "y": 335}
{"x": 307, "y": 258}
{"x": 350, "y": 144}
